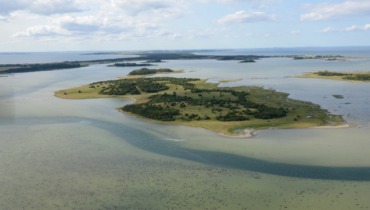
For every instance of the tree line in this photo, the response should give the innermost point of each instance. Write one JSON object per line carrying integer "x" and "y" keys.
{"x": 43, "y": 67}
{"x": 225, "y": 103}
{"x": 146, "y": 71}
{"x": 346, "y": 76}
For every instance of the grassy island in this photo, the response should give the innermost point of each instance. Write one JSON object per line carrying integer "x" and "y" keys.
{"x": 351, "y": 76}
{"x": 195, "y": 102}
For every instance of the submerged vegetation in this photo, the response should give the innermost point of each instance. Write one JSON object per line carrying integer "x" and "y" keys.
{"x": 195, "y": 102}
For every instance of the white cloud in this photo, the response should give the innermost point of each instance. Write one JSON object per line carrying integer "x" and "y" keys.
{"x": 346, "y": 8}
{"x": 42, "y": 31}
{"x": 108, "y": 27}
{"x": 348, "y": 29}
{"x": 83, "y": 24}
{"x": 329, "y": 30}
{"x": 246, "y": 17}
{"x": 358, "y": 28}
{"x": 254, "y": 3}
{"x": 47, "y": 7}
{"x": 230, "y": 1}
{"x": 10, "y": 6}
{"x": 135, "y": 7}
{"x": 295, "y": 32}
{"x": 3, "y": 18}
{"x": 42, "y": 7}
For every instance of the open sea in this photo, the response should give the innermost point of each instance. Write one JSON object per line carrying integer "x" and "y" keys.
{"x": 84, "y": 154}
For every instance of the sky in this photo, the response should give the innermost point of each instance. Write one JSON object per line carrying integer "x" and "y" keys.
{"x": 83, "y": 25}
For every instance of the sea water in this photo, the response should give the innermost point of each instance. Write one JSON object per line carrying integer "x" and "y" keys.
{"x": 84, "y": 154}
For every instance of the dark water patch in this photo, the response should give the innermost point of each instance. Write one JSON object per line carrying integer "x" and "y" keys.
{"x": 151, "y": 143}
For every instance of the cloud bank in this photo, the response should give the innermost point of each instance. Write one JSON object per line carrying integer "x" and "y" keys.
{"x": 246, "y": 17}
{"x": 335, "y": 10}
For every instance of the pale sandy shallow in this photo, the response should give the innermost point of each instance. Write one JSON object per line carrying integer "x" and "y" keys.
{"x": 336, "y": 126}
{"x": 247, "y": 133}
{"x": 244, "y": 134}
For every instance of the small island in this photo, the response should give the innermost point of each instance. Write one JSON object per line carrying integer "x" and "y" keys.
{"x": 195, "y": 102}
{"x": 130, "y": 64}
{"x": 350, "y": 76}
{"x": 146, "y": 71}
{"x": 248, "y": 61}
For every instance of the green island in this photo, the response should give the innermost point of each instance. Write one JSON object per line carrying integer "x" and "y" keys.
{"x": 351, "y": 76}
{"x": 196, "y": 102}
{"x": 129, "y": 64}
{"x": 146, "y": 71}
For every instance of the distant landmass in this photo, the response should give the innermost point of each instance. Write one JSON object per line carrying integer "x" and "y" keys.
{"x": 148, "y": 58}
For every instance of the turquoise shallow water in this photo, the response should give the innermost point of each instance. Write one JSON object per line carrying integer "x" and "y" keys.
{"x": 84, "y": 154}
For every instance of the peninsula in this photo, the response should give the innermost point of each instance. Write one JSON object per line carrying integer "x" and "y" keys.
{"x": 196, "y": 102}
{"x": 349, "y": 76}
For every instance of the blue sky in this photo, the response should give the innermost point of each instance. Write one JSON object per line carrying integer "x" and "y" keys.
{"x": 60, "y": 25}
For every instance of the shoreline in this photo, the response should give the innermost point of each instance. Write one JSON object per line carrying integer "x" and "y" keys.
{"x": 314, "y": 75}
{"x": 335, "y": 126}
{"x": 247, "y": 133}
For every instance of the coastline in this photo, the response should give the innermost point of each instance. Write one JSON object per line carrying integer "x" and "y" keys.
{"x": 335, "y": 126}
{"x": 246, "y": 133}
{"x": 314, "y": 75}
